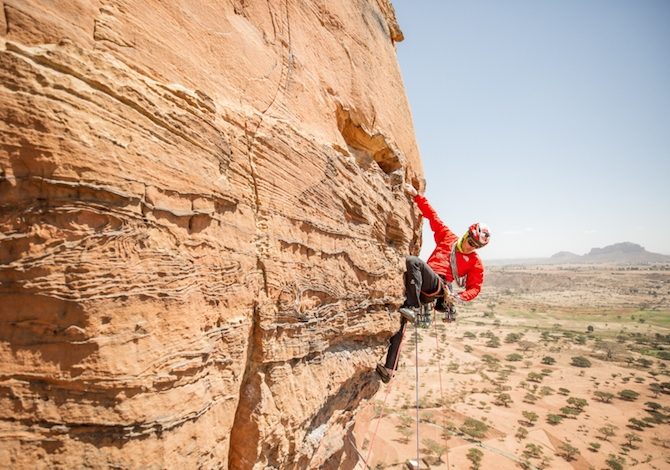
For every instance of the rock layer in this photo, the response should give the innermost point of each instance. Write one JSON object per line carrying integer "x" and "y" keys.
{"x": 202, "y": 229}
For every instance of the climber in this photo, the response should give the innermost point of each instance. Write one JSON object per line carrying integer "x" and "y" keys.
{"x": 454, "y": 261}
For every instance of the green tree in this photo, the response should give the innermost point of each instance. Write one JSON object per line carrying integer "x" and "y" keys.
{"x": 554, "y": 419}
{"x": 610, "y": 349}
{"x": 503, "y": 399}
{"x": 655, "y": 389}
{"x": 406, "y": 434}
{"x": 644, "y": 362}
{"x": 513, "y": 337}
{"x": 594, "y": 446}
{"x": 607, "y": 431}
{"x": 521, "y": 433}
{"x": 529, "y": 398}
{"x": 570, "y": 412}
{"x": 615, "y": 462}
{"x": 530, "y": 416}
{"x": 637, "y": 424}
{"x": 652, "y": 406}
{"x": 514, "y": 357}
{"x": 493, "y": 342}
{"x": 432, "y": 447}
{"x": 535, "y": 377}
{"x": 532, "y": 451}
{"x": 474, "y": 428}
{"x": 632, "y": 438}
{"x": 546, "y": 391}
{"x": 628, "y": 395}
{"x": 548, "y": 360}
{"x": 568, "y": 451}
{"x": 475, "y": 457}
{"x": 604, "y": 397}
{"x": 578, "y": 403}
{"x": 580, "y": 361}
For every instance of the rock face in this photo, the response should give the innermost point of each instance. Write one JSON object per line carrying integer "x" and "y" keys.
{"x": 202, "y": 229}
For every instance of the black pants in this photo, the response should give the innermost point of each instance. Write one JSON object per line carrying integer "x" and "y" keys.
{"x": 419, "y": 277}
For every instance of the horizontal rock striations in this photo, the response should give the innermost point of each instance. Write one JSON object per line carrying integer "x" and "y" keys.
{"x": 201, "y": 229}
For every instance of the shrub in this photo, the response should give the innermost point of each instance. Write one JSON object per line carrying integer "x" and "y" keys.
{"x": 532, "y": 451}
{"x": 548, "y": 360}
{"x": 580, "y": 361}
{"x": 474, "y": 428}
{"x": 512, "y": 337}
{"x": 493, "y": 342}
{"x": 568, "y": 452}
{"x": 637, "y": 424}
{"x": 514, "y": 357}
{"x": 475, "y": 457}
{"x": 607, "y": 431}
{"x": 521, "y": 433}
{"x": 632, "y": 438}
{"x": 615, "y": 462}
{"x": 604, "y": 397}
{"x": 433, "y": 447}
{"x": 530, "y": 416}
{"x": 628, "y": 395}
{"x": 546, "y": 391}
{"x": 578, "y": 403}
{"x": 554, "y": 419}
{"x": 503, "y": 399}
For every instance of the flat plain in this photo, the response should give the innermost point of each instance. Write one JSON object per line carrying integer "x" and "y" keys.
{"x": 556, "y": 367}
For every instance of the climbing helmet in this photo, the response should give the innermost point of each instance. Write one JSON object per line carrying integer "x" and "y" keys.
{"x": 478, "y": 235}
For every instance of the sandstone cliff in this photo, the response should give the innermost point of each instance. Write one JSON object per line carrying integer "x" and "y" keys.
{"x": 201, "y": 229}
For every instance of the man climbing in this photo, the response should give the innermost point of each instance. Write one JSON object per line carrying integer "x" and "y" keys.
{"x": 454, "y": 261}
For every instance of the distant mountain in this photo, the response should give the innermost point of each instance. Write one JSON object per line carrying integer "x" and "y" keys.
{"x": 623, "y": 253}
{"x": 619, "y": 253}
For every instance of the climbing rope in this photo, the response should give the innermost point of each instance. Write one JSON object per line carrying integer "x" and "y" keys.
{"x": 388, "y": 390}
{"x": 416, "y": 349}
{"x": 439, "y": 374}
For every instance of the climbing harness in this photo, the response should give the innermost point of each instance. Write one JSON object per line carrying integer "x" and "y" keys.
{"x": 460, "y": 281}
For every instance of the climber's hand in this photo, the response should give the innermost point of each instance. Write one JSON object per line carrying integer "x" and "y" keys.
{"x": 409, "y": 189}
{"x": 453, "y": 299}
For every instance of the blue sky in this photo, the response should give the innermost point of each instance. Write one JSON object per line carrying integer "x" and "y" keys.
{"x": 547, "y": 120}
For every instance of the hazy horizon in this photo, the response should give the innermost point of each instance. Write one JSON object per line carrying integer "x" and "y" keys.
{"x": 550, "y": 121}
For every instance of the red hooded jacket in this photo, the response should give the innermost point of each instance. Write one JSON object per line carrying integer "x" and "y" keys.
{"x": 439, "y": 261}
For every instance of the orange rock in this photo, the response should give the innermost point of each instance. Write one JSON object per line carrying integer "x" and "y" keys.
{"x": 202, "y": 229}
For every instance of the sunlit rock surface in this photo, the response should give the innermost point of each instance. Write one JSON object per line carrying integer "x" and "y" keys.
{"x": 202, "y": 229}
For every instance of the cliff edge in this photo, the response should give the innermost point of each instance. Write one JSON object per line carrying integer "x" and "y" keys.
{"x": 202, "y": 229}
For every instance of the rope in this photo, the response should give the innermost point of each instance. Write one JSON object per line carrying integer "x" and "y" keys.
{"x": 439, "y": 373}
{"x": 416, "y": 349}
{"x": 388, "y": 390}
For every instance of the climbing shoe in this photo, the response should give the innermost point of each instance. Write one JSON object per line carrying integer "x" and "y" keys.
{"x": 408, "y": 313}
{"x": 383, "y": 373}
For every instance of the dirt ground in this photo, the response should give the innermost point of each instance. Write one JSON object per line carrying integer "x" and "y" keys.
{"x": 617, "y": 318}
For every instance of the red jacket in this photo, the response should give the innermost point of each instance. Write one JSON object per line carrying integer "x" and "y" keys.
{"x": 439, "y": 261}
